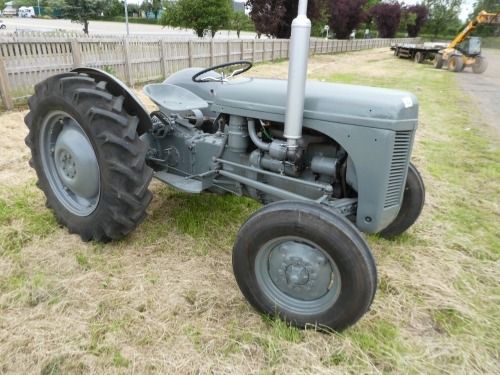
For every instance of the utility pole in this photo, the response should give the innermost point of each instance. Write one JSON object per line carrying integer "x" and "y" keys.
{"x": 126, "y": 15}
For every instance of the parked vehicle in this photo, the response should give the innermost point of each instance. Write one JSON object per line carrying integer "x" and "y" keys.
{"x": 9, "y": 10}
{"x": 27, "y": 12}
{"x": 327, "y": 161}
{"x": 2, "y": 25}
{"x": 465, "y": 51}
{"x": 417, "y": 52}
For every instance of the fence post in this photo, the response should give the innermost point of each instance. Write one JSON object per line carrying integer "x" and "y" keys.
{"x": 75, "y": 51}
{"x": 242, "y": 50}
{"x": 5, "y": 86}
{"x": 229, "y": 50}
{"x": 190, "y": 53}
{"x": 212, "y": 52}
{"x": 254, "y": 52}
{"x": 128, "y": 66}
{"x": 163, "y": 52}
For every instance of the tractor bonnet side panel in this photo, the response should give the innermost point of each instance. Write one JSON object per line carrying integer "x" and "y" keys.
{"x": 330, "y": 102}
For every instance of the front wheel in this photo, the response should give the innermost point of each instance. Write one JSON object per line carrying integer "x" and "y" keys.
{"x": 304, "y": 264}
{"x": 456, "y": 64}
{"x": 411, "y": 207}
{"x": 88, "y": 157}
{"x": 438, "y": 61}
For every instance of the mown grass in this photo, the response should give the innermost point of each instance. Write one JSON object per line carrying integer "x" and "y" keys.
{"x": 163, "y": 300}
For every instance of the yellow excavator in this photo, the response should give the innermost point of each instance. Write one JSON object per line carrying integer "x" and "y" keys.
{"x": 465, "y": 50}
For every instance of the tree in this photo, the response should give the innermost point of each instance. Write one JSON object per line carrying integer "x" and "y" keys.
{"x": 239, "y": 21}
{"x": 115, "y": 9}
{"x": 151, "y": 6}
{"x": 82, "y": 11}
{"x": 419, "y": 15}
{"x": 386, "y": 17}
{"x": 202, "y": 16}
{"x": 274, "y": 18}
{"x": 267, "y": 16}
{"x": 443, "y": 16}
{"x": 23, "y": 3}
{"x": 346, "y": 16}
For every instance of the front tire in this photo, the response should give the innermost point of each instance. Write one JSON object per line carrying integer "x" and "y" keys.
{"x": 305, "y": 264}
{"x": 456, "y": 64}
{"x": 88, "y": 157}
{"x": 438, "y": 61}
{"x": 411, "y": 207}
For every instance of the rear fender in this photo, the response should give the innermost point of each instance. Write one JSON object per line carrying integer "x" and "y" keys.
{"x": 132, "y": 104}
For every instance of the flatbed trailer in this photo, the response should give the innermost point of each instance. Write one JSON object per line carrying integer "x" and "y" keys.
{"x": 418, "y": 52}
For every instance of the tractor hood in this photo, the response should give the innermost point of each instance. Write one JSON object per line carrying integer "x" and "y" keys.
{"x": 348, "y": 104}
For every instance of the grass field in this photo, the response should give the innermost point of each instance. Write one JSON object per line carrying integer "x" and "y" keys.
{"x": 164, "y": 299}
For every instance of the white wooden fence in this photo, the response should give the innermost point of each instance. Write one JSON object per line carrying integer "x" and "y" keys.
{"x": 27, "y": 60}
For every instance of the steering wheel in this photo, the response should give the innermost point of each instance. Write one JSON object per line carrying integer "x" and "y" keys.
{"x": 223, "y": 78}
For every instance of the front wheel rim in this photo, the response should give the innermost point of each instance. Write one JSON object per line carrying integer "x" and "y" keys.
{"x": 70, "y": 163}
{"x": 297, "y": 275}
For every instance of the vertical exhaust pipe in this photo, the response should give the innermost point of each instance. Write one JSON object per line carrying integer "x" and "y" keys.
{"x": 297, "y": 72}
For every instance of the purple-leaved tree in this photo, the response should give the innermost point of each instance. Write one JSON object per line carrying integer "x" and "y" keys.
{"x": 421, "y": 13}
{"x": 386, "y": 17}
{"x": 274, "y": 17}
{"x": 345, "y": 16}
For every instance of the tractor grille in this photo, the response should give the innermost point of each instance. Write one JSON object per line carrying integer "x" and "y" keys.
{"x": 399, "y": 164}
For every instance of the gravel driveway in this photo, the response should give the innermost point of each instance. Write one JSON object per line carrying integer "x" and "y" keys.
{"x": 485, "y": 89}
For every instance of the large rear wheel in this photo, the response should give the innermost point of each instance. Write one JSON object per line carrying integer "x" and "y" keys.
{"x": 480, "y": 65}
{"x": 88, "y": 157}
{"x": 411, "y": 207}
{"x": 305, "y": 264}
{"x": 419, "y": 57}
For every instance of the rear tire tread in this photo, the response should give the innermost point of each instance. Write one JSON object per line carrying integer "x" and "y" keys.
{"x": 124, "y": 177}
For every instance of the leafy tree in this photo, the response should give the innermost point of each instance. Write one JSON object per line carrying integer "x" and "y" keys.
{"x": 386, "y": 17}
{"x": 274, "y": 17}
{"x": 52, "y": 6}
{"x": 133, "y": 8}
{"x": 419, "y": 15}
{"x": 151, "y": 6}
{"x": 203, "y": 16}
{"x": 443, "y": 17}
{"x": 239, "y": 21}
{"x": 23, "y": 3}
{"x": 345, "y": 16}
{"x": 267, "y": 16}
{"x": 116, "y": 8}
{"x": 82, "y": 11}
